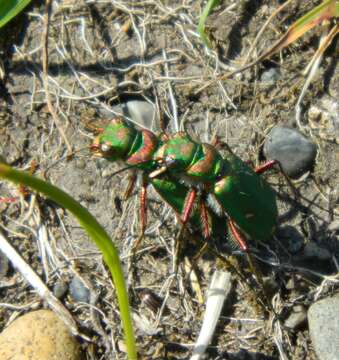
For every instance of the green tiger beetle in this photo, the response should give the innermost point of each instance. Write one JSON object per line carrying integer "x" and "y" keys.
{"x": 121, "y": 141}
{"x": 184, "y": 171}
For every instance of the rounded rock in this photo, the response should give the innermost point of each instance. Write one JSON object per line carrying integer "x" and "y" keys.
{"x": 323, "y": 321}
{"x": 60, "y": 289}
{"x": 79, "y": 291}
{"x": 313, "y": 251}
{"x": 291, "y": 238}
{"x": 142, "y": 112}
{"x": 292, "y": 149}
{"x": 80, "y": 164}
{"x": 39, "y": 335}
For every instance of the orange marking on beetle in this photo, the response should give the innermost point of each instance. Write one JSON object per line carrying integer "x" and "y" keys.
{"x": 186, "y": 149}
{"x": 122, "y": 133}
{"x": 145, "y": 153}
{"x": 205, "y": 165}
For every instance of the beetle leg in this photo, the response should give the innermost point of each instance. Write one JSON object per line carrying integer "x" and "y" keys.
{"x": 143, "y": 209}
{"x": 188, "y": 206}
{"x": 130, "y": 185}
{"x": 204, "y": 217}
{"x": 205, "y": 225}
{"x": 143, "y": 213}
{"x": 266, "y": 166}
{"x": 254, "y": 269}
{"x": 9, "y": 200}
{"x": 184, "y": 217}
{"x": 238, "y": 237}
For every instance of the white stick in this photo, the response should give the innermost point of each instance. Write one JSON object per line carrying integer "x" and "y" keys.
{"x": 216, "y": 295}
{"x": 32, "y": 278}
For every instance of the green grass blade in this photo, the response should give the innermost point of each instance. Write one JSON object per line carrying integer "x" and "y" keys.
{"x": 94, "y": 230}
{"x": 11, "y": 8}
{"x": 316, "y": 16}
{"x": 211, "y": 4}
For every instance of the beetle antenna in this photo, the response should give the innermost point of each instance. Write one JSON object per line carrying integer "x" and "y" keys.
{"x": 66, "y": 157}
{"x": 123, "y": 169}
{"x": 134, "y": 166}
{"x": 120, "y": 171}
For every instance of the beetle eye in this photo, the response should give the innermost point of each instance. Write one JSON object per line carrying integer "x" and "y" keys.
{"x": 105, "y": 148}
{"x": 170, "y": 161}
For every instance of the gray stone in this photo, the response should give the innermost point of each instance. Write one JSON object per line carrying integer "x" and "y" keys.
{"x": 60, "y": 289}
{"x": 270, "y": 76}
{"x": 291, "y": 238}
{"x": 142, "y": 112}
{"x": 323, "y": 320}
{"x": 312, "y": 250}
{"x": 79, "y": 291}
{"x": 292, "y": 149}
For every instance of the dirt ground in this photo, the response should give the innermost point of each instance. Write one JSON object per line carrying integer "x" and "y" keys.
{"x": 103, "y": 54}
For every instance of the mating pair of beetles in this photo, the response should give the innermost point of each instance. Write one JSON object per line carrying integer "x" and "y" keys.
{"x": 185, "y": 172}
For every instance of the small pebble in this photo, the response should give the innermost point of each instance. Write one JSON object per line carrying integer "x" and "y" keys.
{"x": 3, "y": 265}
{"x": 291, "y": 238}
{"x": 108, "y": 172}
{"x": 80, "y": 164}
{"x": 323, "y": 321}
{"x": 79, "y": 291}
{"x": 292, "y": 149}
{"x": 297, "y": 318}
{"x": 39, "y": 335}
{"x": 312, "y": 250}
{"x": 60, "y": 289}
{"x": 270, "y": 76}
{"x": 142, "y": 112}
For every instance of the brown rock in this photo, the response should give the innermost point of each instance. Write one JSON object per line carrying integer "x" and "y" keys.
{"x": 39, "y": 335}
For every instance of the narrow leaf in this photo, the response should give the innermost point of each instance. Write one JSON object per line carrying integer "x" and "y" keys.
{"x": 316, "y": 16}
{"x": 325, "y": 11}
{"x": 211, "y": 4}
{"x": 11, "y": 8}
